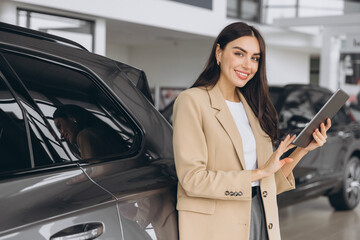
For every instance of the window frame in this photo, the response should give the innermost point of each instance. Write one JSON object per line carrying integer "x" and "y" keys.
{"x": 4, "y": 79}
{"x": 138, "y": 137}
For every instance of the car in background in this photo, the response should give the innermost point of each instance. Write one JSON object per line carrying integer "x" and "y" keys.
{"x": 47, "y": 190}
{"x": 332, "y": 170}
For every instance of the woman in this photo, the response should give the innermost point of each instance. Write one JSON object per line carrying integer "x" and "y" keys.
{"x": 224, "y": 130}
{"x": 87, "y": 135}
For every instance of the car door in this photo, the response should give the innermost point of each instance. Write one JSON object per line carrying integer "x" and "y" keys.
{"x": 41, "y": 196}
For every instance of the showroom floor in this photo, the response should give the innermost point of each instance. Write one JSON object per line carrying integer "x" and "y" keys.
{"x": 315, "y": 219}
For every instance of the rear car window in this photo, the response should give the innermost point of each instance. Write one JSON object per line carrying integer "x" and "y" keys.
{"x": 89, "y": 123}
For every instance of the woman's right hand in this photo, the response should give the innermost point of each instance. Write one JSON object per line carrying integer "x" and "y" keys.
{"x": 274, "y": 163}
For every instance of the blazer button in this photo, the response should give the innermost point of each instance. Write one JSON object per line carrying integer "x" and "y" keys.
{"x": 265, "y": 193}
{"x": 232, "y": 193}
{"x": 227, "y": 193}
{"x": 270, "y": 225}
{"x": 240, "y": 193}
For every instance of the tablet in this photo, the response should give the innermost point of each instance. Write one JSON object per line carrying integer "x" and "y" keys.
{"x": 330, "y": 108}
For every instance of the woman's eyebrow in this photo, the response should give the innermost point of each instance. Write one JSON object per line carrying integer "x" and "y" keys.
{"x": 241, "y": 49}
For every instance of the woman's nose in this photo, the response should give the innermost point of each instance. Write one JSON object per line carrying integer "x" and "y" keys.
{"x": 246, "y": 63}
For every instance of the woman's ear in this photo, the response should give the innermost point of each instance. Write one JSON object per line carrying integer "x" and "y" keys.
{"x": 218, "y": 54}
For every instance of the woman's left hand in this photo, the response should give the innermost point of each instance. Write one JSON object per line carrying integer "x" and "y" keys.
{"x": 319, "y": 136}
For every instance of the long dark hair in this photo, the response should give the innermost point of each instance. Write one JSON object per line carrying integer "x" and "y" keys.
{"x": 256, "y": 91}
{"x": 84, "y": 118}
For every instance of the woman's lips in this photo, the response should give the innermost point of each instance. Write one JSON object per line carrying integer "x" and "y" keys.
{"x": 242, "y": 75}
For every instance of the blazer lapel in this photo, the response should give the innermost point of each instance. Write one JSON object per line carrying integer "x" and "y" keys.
{"x": 226, "y": 120}
{"x": 259, "y": 134}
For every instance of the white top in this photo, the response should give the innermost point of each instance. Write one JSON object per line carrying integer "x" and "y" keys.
{"x": 249, "y": 144}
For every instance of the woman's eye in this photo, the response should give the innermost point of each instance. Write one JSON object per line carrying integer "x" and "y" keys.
{"x": 256, "y": 59}
{"x": 239, "y": 54}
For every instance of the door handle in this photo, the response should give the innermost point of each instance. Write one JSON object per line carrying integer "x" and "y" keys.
{"x": 81, "y": 231}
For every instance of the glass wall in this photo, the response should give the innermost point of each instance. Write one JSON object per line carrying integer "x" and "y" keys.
{"x": 249, "y": 10}
{"x": 78, "y": 30}
{"x": 301, "y": 8}
{"x": 265, "y": 11}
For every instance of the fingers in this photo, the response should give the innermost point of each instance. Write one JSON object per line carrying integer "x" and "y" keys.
{"x": 328, "y": 124}
{"x": 285, "y": 145}
{"x": 319, "y": 138}
{"x": 324, "y": 128}
{"x": 290, "y": 147}
{"x": 286, "y": 160}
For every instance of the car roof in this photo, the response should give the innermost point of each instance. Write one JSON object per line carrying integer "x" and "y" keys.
{"x": 15, "y": 37}
{"x": 39, "y": 35}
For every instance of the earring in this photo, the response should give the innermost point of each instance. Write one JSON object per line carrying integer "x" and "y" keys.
{"x": 218, "y": 62}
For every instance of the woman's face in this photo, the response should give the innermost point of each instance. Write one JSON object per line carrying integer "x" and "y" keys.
{"x": 239, "y": 61}
{"x": 67, "y": 129}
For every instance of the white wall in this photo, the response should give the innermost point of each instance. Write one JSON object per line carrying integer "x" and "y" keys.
{"x": 118, "y": 52}
{"x": 178, "y": 65}
{"x": 287, "y": 66}
{"x": 172, "y": 65}
{"x": 8, "y": 12}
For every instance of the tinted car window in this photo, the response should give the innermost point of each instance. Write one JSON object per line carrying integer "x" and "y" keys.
{"x": 341, "y": 118}
{"x": 99, "y": 129}
{"x": 296, "y": 107}
{"x": 13, "y": 141}
{"x": 319, "y": 99}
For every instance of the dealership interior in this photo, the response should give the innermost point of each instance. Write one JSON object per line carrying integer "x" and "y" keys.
{"x": 308, "y": 42}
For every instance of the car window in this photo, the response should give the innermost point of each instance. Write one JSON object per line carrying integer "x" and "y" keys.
{"x": 296, "y": 105}
{"x": 341, "y": 118}
{"x": 319, "y": 99}
{"x": 71, "y": 110}
{"x": 14, "y": 148}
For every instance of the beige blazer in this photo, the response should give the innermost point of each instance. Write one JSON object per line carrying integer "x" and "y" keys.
{"x": 214, "y": 190}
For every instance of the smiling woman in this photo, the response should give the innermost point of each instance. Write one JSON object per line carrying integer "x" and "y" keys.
{"x": 224, "y": 127}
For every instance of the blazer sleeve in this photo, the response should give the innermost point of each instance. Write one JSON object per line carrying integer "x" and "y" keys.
{"x": 191, "y": 156}
{"x": 283, "y": 183}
